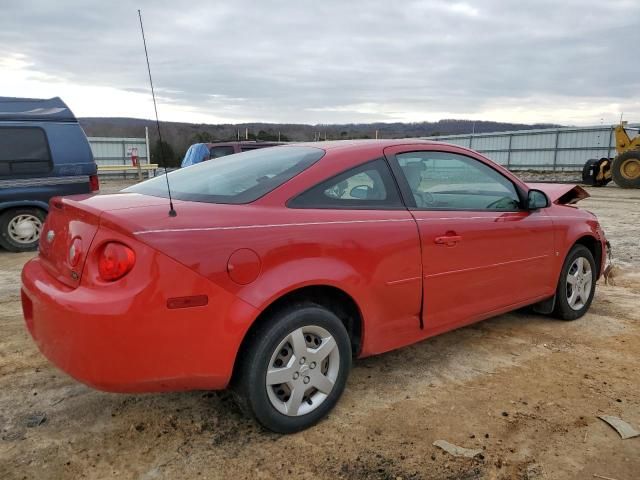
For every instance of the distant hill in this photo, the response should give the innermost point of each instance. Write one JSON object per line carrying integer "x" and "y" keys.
{"x": 180, "y": 135}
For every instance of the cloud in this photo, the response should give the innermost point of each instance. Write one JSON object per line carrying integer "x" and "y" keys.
{"x": 331, "y": 61}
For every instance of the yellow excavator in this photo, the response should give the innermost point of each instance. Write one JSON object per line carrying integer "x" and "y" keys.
{"x": 624, "y": 169}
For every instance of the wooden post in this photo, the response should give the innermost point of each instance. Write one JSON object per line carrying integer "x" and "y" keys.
{"x": 146, "y": 140}
{"x": 139, "y": 168}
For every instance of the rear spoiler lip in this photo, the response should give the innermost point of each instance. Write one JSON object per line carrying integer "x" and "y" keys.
{"x": 561, "y": 194}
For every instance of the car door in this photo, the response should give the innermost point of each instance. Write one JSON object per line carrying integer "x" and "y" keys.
{"x": 482, "y": 253}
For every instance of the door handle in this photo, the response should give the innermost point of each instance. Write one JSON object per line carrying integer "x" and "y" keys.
{"x": 448, "y": 240}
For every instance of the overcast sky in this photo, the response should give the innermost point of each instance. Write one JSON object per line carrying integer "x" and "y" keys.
{"x": 568, "y": 62}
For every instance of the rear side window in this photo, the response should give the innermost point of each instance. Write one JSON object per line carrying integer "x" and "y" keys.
{"x": 24, "y": 151}
{"x": 223, "y": 151}
{"x": 368, "y": 186}
{"x": 240, "y": 178}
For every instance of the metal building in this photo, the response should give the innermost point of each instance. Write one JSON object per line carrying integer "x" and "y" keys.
{"x": 564, "y": 149}
{"x": 118, "y": 151}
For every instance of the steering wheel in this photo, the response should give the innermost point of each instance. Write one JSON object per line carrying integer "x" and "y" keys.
{"x": 502, "y": 203}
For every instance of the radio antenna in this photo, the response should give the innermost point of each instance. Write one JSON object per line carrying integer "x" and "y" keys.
{"x": 172, "y": 212}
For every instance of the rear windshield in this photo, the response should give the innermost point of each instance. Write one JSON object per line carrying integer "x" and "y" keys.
{"x": 239, "y": 178}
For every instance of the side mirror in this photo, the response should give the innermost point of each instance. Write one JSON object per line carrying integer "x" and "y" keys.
{"x": 361, "y": 192}
{"x": 537, "y": 199}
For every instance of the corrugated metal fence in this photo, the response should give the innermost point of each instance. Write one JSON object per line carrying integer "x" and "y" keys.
{"x": 117, "y": 151}
{"x": 556, "y": 149}
{"x": 563, "y": 149}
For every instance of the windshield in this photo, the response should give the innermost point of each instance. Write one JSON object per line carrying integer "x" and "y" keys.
{"x": 240, "y": 178}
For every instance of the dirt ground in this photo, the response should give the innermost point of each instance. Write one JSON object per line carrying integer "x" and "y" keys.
{"x": 524, "y": 388}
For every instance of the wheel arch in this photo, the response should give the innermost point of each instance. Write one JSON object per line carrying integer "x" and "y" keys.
{"x": 333, "y": 298}
{"x": 4, "y": 206}
{"x": 594, "y": 246}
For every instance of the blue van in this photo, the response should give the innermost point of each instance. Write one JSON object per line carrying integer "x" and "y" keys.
{"x": 43, "y": 153}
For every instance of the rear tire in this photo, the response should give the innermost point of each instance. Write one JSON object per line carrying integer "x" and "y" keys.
{"x": 20, "y": 229}
{"x": 626, "y": 169}
{"x": 590, "y": 171}
{"x": 294, "y": 368}
{"x": 577, "y": 284}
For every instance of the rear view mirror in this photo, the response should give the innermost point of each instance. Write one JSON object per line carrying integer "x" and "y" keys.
{"x": 537, "y": 199}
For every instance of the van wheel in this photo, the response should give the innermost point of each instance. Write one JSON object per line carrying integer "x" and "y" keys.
{"x": 20, "y": 229}
{"x": 577, "y": 284}
{"x": 295, "y": 368}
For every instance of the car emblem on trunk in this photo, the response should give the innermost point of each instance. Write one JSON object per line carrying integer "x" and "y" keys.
{"x": 50, "y": 236}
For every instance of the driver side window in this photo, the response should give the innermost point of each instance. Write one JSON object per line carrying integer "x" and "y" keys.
{"x": 447, "y": 181}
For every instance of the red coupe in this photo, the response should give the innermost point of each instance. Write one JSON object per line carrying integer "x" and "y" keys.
{"x": 283, "y": 264}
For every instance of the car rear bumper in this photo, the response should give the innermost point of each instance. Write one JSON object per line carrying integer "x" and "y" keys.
{"x": 127, "y": 339}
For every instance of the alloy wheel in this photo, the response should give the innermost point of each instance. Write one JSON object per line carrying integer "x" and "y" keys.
{"x": 579, "y": 283}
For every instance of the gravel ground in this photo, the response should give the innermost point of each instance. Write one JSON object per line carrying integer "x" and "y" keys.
{"x": 523, "y": 388}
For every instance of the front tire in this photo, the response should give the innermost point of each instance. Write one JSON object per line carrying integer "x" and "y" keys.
{"x": 20, "y": 229}
{"x": 577, "y": 284}
{"x": 626, "y": 169}
{"x": 295, "y": 368}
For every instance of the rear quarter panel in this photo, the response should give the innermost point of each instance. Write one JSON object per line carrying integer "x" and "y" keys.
{"x": 70, "y": 150}
{"x": 149, "y": 346}
{"x": 374, "y": 256}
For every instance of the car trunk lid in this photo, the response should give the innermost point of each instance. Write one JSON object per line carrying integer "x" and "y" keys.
{"x": 71, "y": 225}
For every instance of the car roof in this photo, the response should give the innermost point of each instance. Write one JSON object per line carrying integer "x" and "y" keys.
{"x": 245, "y": 142}
{"x": 334, "y": 144}
{"x": 356, "y": 144}
{"x": 35, "y": 109}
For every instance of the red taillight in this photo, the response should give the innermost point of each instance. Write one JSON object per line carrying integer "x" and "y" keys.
{"x": 94, "y": 183}
{"x": 115, "y": 261}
